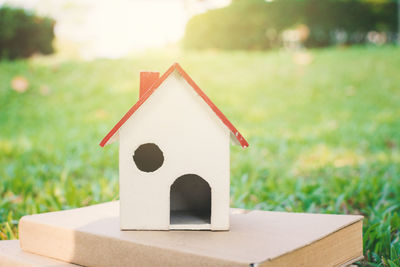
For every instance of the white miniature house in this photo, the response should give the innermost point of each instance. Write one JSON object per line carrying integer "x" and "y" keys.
{"x": 174, "y": 157}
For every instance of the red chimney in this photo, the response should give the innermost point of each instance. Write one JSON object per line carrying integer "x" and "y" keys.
{"x": 147, "y": 78}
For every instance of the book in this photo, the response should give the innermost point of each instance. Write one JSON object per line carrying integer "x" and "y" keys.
{"x": 12, "y": 255}
{"x": 91, "y": 236}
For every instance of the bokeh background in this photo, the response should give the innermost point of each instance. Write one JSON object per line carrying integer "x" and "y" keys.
{"x": 313, "y": 85}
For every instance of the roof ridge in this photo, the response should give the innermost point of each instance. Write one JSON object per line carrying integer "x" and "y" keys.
{"x": 156, "y": 84}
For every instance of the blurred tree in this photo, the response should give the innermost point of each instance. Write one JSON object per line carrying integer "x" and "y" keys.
{"x": 23, "y": 34}
{"x": 259, "y": 24}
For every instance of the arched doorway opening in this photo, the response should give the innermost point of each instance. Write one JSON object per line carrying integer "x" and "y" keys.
{"x": 190, "y": 202}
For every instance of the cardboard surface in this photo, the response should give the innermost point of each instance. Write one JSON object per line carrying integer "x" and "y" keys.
{"x": 12, "y": 256}
{"x": 91, "y": 236}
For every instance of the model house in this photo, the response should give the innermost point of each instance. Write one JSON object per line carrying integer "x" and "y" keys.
{"x": 174, "y": 153}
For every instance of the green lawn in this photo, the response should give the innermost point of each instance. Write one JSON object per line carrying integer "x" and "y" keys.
{"x": 324, "y": 135}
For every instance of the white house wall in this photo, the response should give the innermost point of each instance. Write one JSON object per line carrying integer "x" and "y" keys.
{"x": 193, "y": 141}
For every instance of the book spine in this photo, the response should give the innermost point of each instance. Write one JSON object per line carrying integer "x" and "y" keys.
{"x": 46, "y": 240}
{"x": 82, "y": 248}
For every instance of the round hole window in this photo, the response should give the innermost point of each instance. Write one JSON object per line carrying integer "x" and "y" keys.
{"x": 148, "y": 157}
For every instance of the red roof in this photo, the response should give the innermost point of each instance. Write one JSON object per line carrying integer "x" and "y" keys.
{"x": 155, "y": 85}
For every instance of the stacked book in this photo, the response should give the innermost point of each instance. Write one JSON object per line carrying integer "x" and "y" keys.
{"x": 91, "y": 236}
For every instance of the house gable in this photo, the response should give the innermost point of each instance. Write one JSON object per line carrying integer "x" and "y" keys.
{"x": 113, "y": 134}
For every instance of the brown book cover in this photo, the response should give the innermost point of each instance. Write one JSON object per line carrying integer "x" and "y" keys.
{"x": 91, "y": 236}
{"x": 11, "y": 255}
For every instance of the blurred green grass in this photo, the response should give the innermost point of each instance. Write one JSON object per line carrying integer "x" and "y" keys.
{"x": 323, "y": 128}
